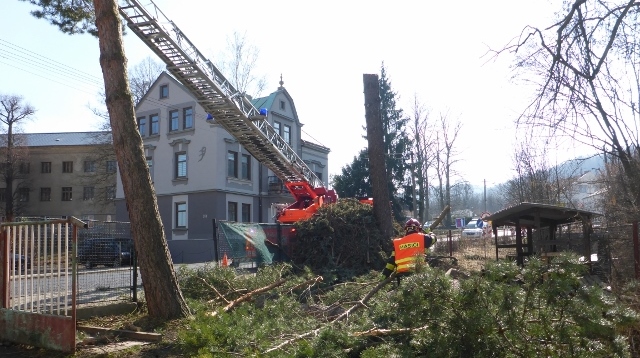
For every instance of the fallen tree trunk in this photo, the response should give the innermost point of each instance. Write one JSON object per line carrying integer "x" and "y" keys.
{"x": 248, "y": 296}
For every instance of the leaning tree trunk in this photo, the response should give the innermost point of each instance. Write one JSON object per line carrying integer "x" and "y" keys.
{"x": 162, "y": 293}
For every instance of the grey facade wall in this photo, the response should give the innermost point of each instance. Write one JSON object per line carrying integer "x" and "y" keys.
{"x": 208, "y": 188}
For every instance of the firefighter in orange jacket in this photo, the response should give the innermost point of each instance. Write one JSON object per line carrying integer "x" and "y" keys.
{"x": 406, "y": 250}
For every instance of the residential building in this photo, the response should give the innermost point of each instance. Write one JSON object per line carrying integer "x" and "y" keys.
{"x": 65, "y": 174}
{"x": 588, "y": 191}
{"x": 201, "y": 173}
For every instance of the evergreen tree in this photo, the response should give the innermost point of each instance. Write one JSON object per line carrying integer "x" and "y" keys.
{"x": 354, "y": 181}
{"x": 397, "y": 145}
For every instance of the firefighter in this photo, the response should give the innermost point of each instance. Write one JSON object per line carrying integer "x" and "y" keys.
{"x": 406, "y": 250}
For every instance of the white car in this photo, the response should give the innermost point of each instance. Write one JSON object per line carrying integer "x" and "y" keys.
{"x": 472, "y": 229}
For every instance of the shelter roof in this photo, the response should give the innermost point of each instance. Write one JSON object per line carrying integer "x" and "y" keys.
{"x": 526, "y": 213}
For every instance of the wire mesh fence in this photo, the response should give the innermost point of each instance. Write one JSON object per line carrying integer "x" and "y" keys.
{"x": 107, "y": 269}
{"x": 615, "y": 249}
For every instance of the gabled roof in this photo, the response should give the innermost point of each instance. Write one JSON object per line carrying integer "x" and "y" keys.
{"x": 160, "y": 77}
{"x": 526, "y": 214}
{"x": 65, "y": 138}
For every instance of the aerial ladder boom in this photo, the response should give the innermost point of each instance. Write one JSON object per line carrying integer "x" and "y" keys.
{"x": 229, "y": 108}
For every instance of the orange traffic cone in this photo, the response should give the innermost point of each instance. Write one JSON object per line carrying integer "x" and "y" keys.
{"x": 225, "y": 261}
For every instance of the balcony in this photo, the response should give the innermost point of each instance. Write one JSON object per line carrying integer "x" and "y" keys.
{"x": 276, "y": 186}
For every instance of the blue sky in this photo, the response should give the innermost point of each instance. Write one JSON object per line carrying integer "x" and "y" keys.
{"x": 432, "y": 49}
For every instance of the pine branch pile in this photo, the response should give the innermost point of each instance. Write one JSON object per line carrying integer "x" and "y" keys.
{"x": 505, "y": 311}
{"x": 342, "y": 239}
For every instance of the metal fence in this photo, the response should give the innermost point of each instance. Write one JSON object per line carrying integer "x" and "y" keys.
{"x": 107, "y": 267}
{"x": 38, "y": 283}
{"x": 39, "y": 266}
{"x": 616, "y": 253}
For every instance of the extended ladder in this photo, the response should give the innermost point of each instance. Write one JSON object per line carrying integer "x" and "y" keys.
{"x": 230, "y": 108}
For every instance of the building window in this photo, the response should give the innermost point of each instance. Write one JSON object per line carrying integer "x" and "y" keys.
{"x": 246, "y": 213}
{"x": 181, "y": 215}
{"x": 67, "y": 167}
{"x": 245, "y": 166}
{"x": 150, "y": 165}
{"x": 23, "y": 194}
{"x": 276, "y": 126}
{"x": 181, "y": 165}
{"x": 24, "y": 168}
{"x": 88, "y": 193}
{"x": 142, "y": 126}
{"x": 319, "y": 175}
{"x": 232, "y": 211}
{"x": 45, "y": 194}
{"x": 89, "y": 166}
{"x": 155, "y": 124}
{"x": 110, "y": 192}
{"x": 67, "y": 193}
{"x": 232, "y": 168}
{"x": 282, "y": 105}
{"x": 45, "y": 167}
{"x": 164, "y": 91}
{"x": 112, "y": 166}
{"x": 187, "y": 113}
{"x": 174, "y": 120}
{"x": 287, "y": 134}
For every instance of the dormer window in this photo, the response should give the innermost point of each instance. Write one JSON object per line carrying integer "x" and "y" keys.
{"x": 164, "y": 91}
{"x": 282, "y": 105}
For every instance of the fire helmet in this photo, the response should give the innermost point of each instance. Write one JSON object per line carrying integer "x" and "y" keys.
{"x": 412, "y": 225}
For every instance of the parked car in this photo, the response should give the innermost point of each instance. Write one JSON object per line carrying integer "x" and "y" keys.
{"x": 21, "y": 262}
{"x": 110, "y": 252}
{"x": 472, "y": 229}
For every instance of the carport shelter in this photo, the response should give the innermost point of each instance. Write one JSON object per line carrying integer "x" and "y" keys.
{"x": 529, "y": 216}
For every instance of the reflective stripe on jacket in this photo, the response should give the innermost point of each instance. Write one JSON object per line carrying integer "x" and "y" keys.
{"x": 406, "y": 250}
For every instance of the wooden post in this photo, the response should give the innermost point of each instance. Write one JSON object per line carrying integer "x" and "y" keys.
{"x": 4, "y": 246}
{"x": 377, "y": 166}
{"x": 495, "y": 238}
{"x": 586, "y": 233}
{"x": 519, "y": 257}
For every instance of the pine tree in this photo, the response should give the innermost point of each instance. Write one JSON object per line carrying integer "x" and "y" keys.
{"x": 397, "y": 145}
{"x": 354, "y": 181}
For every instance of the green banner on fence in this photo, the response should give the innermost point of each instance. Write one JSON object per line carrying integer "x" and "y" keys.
{"x": 247, "y": 242}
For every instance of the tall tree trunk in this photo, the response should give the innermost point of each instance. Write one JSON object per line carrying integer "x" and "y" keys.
{"x": 377, "y": 168}
{"x": 162, "y": 293}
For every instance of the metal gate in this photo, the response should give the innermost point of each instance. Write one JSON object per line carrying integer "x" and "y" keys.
{"x": 39, "y": 274}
